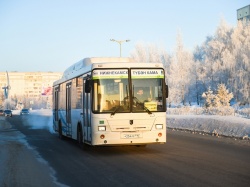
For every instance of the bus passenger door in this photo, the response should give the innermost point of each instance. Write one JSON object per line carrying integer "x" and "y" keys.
{"x": 68, "y": 110}
{"x": 86, "y": 116}
{"x": 55, "y": 124}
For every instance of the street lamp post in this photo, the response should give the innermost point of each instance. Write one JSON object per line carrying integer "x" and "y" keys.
{"x": 120, "y": 43}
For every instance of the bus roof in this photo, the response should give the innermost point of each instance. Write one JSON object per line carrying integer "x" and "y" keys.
{"x": 87, "y": 64}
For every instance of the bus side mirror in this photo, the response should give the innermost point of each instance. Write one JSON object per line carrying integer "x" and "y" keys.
{"x": 166, "y": 91}
{"x": 87, "y": 86}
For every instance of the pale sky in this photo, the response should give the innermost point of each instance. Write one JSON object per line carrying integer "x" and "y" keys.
{"x": 50, "y": 35}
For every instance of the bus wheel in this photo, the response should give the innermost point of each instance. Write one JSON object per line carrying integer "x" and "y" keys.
{"x": 79, "y": 136}
{"x": 60, "y": 135}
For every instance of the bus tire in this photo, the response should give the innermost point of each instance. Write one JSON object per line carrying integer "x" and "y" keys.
{"x": 79, "y": 136}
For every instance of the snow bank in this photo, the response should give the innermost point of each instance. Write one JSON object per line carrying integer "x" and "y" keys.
{"x": 219, "y": 125}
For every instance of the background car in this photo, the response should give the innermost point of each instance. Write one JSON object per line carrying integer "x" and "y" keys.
{"x": 8, "y": 113}
{"x": 1, "y": 112}
{"x": 24, "y": 111}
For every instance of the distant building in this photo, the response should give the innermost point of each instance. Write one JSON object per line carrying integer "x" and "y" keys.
{"x": 243, "y": 14}
{"x": 29, "y": 89}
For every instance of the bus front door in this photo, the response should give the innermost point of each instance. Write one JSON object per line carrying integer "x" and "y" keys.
{"x": 68, "y": 110}
{"x": 86, "y": 117}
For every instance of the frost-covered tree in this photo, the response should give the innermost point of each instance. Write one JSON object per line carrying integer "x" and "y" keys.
{"x": 223, "y": 96}
{"x": 241, "y": 68}
{"x": 225, "y": 58}
{"x": 220, "y": 99}
{"x": 149, "y": 53}
{"x": 140, "y": 53}
{"x": 182, "y": 74}
{"x": 200, "y": 73}
{"x": 209, "y": 98}
{"x": 212, "y": 54}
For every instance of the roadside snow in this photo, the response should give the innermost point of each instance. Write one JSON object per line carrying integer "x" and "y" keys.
{"x": 217, "y": 125}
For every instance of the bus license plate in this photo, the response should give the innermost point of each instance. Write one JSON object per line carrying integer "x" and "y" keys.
{"x": 128, "y": 136}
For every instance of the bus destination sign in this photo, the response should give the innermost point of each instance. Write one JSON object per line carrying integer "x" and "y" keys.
{"x": 147, "y": 73}
{"x": 110, "y": 74}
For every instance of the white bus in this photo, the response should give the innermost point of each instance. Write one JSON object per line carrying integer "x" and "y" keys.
{"x": 111, "y": 101}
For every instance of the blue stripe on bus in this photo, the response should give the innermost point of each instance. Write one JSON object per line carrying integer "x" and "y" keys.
{"x": 63, "y": 121}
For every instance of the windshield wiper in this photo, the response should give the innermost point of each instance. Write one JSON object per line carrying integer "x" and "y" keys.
{"x": 149, "y": 112}
{"x": 116, "y": 109}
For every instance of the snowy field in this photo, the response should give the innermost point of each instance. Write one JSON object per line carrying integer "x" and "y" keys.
{"x": 231, "y": 126}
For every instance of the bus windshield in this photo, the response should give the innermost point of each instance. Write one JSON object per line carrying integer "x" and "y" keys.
{"x": 147, "y": 90}
{"x": 147, "y": 95}
{"x": 114, "y": 92}
{"x": 111, "y": 90}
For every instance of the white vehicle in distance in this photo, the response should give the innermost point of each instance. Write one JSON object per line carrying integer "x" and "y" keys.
{"x": 8, "y": 113}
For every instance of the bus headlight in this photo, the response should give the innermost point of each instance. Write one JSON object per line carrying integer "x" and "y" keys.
{"x": 159, "y": 126}
{"x": 101, "y": 128}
